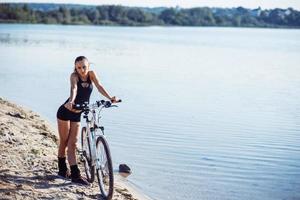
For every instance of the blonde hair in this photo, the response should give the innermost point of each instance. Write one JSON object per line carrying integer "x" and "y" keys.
{"x": 79, "y": 58}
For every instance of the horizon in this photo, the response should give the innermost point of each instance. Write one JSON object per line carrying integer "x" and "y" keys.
{"x": 263, "y": 4}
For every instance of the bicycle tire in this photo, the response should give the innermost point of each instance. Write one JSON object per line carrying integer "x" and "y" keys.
{"x": 106, "y": 173}
{"x": 86, "y": 152}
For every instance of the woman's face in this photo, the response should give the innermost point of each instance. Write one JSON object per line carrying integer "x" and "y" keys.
{"x": 82, "y": 67}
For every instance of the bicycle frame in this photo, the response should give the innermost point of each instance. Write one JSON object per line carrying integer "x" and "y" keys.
{"x": 91, "y": 127}
{"x": 94, "y": 138}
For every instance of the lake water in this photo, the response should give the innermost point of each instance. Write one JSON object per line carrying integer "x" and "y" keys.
{"x": 207, "y": 113}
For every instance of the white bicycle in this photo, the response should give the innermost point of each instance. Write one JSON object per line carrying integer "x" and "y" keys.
{"x": 95, "y": 152}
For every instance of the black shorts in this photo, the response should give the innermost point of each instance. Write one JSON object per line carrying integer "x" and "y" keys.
{"x": 64, "y": 114}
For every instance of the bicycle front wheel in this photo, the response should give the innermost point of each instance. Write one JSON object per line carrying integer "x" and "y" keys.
{"x": 105, "y": 169}
{"x": 87, "y": 156}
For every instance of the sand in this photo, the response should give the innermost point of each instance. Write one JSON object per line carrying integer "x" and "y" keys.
{"x": 28, "y": 161}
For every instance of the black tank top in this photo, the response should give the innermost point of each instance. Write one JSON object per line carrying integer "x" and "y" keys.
{"x": 84, "y": 90}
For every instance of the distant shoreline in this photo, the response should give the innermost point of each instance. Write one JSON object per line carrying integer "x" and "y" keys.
{"x": 114, "y": 15}
{"x": 120, "y": 26}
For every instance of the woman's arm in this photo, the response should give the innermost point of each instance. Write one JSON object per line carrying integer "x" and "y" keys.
{"x": 73, "y": 92}
{"x": 100, "y": 88}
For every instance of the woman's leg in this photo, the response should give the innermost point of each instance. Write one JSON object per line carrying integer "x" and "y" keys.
{"x": 63, "y": 131}
{"x": 73, "y": 137}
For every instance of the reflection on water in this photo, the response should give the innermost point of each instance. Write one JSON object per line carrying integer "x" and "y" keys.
{"x": 6, "y": 38}
{"x": 207, "y": 113}
{"x": 25, "y": 40}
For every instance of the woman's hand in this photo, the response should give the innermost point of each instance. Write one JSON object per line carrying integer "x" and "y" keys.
{"x": 114, "y": 99}
{"x": 69, "y": 105}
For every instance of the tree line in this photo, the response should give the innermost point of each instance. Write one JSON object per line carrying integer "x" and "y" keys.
{"x": 131, "y": 16}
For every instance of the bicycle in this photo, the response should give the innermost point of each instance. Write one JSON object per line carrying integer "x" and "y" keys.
{"x": 95, "y": 152}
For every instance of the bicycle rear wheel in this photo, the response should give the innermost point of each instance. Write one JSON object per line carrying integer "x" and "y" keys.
{"x": 105, "y": 172}
{"x": 86, "y": 153}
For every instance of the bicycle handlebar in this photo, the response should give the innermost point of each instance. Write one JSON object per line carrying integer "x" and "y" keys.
{"x": 86, "y": 106}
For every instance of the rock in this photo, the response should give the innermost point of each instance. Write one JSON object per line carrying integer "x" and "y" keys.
{"x": 123, "y": 168}
{"x": 121, "y": 190}
{"x": 35, "y": 151}
{"x": 54, "y": 139}
{"x": 11, "y": 133}
{"x": 16, "y": 114}
{"x": 2, "y": 133}
{"x": 8, "y": 140}
{"x": 45, "y": 133}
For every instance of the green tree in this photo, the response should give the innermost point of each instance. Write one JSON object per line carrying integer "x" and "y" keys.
{"x": 65, "y": 15}
{"x": 168, "y": 16}
{"x": 93, "y": 16}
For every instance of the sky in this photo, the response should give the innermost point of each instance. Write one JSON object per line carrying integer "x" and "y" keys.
{"x": 264, "y": 4}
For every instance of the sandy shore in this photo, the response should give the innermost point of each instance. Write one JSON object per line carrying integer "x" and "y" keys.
{"x": 28, "y": 161}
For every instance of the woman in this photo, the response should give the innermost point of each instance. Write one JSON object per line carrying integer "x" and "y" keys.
{"x": 68, "y": 119}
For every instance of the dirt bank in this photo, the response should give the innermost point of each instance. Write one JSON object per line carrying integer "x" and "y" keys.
{"x": 28, "y": 161}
